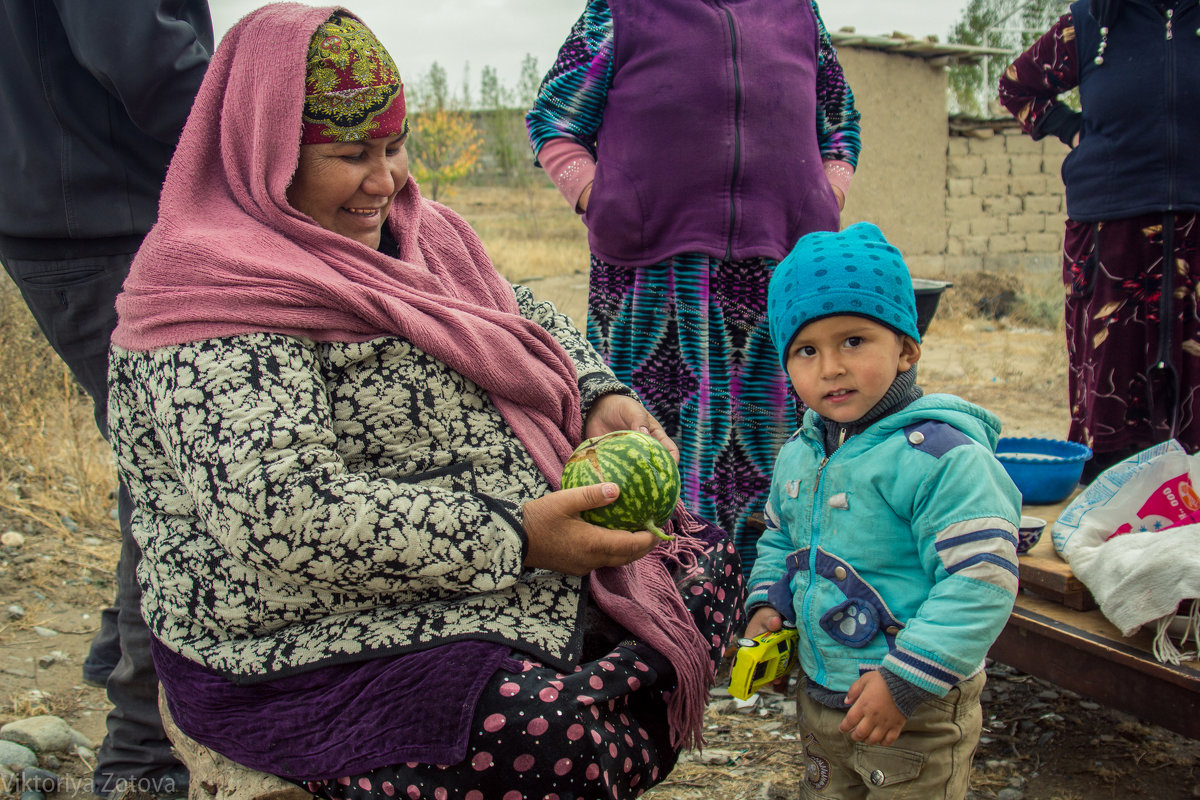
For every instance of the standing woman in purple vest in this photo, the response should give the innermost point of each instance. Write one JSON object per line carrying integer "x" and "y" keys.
{"x": 699, "y": 139}
{"x": 1132, "y": 183}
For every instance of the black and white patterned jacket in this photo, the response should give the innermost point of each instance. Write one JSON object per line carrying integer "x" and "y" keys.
{"x": 302, "y": 503}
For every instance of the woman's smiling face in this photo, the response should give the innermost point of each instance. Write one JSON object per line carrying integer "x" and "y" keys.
{"x": 348, "y": 187}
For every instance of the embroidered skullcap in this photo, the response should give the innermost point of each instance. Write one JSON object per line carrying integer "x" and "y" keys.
{"x": 353, "y": 90}
{"x": 855, "y": 271}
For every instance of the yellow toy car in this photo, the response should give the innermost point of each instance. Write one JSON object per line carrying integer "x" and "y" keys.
{"x": 762, "y": 660}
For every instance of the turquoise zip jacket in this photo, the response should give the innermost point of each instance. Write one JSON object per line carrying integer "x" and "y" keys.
{"x": 898, "y": 550}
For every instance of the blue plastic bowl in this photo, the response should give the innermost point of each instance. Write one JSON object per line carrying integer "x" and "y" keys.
{"x": 1045, "y": 470}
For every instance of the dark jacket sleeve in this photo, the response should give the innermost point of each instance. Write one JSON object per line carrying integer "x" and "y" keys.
{"x": 1031, "y": 85}
{"x": 150, "y": 54}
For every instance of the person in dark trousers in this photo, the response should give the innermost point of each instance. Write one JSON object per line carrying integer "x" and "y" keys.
{"x": 93, "y": 96}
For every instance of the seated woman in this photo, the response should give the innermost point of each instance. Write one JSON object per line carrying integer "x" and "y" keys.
{"x": 343, "y": 431}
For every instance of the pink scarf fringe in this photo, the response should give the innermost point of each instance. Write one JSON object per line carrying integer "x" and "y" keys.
{"x": 652, "y": 610}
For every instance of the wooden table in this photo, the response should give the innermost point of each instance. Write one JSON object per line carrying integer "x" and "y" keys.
{"x": 1057, "y": 633}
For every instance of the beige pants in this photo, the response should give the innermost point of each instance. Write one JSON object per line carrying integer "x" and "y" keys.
{"x": 930, "y": 761}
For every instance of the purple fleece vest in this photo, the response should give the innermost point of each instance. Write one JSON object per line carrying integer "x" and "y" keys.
{"x": 709, "y": 137}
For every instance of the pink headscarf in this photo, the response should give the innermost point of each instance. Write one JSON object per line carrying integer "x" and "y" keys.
{"x": 229, "y": 255}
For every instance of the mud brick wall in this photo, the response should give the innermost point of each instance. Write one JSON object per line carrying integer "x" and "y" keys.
{"x": 1004, "y": 201}
{"x": 955, "y": 195}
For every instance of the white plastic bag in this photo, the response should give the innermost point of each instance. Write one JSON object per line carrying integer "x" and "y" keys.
{"x": 1148, "y": 491}
{"x": 1129, "y": 538}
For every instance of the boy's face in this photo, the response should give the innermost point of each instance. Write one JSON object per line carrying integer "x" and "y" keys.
{"x": 842, "y": 366}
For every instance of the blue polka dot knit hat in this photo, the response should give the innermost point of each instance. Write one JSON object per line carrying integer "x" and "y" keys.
{"x": 854, "y": 271}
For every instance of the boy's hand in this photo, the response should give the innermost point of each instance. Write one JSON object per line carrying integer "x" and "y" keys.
{"x": 764, "y": 619}
{"x": 873, "y": 717}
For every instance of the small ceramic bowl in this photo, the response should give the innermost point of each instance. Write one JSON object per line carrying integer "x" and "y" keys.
{"x": 1029, "y": 532}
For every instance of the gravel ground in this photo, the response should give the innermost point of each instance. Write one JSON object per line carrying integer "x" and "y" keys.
{"x": 1040, "y": 742}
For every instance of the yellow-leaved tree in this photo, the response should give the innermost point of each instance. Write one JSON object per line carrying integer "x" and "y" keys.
{"x": 444, "y": 146}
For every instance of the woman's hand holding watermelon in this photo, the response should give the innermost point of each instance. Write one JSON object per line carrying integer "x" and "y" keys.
{"x": 559, "y": 540}
{"x": 616, "y": 412}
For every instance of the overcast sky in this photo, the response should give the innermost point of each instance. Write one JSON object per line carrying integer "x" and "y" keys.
{"x": 499, "y": 33}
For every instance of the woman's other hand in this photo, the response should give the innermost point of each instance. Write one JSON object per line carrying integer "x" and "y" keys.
{"x": 618, "y": 412}
{"x": 560, "y": 540}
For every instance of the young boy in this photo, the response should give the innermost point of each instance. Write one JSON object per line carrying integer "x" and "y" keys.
{"x": 891, "y": 531}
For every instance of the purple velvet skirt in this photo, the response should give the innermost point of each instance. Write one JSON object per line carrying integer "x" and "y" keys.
{"x": 600, "y": 731}
{"x": 467, "y": 718}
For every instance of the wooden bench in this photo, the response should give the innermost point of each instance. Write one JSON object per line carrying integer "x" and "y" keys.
{"x": 1057, "y": 633}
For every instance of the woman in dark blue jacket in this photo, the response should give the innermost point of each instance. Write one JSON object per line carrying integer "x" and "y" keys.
{"x": 1133, "y": 192}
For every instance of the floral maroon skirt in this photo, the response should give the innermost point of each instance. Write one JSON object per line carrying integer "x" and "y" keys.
{"x": 1134, "y": 370}
{"x": 598, "y": 732}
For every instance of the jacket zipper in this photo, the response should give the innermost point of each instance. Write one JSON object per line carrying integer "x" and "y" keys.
{"x": 737, "y": 131}
{"x": 812, "y": 569}
{"x": 1171, "y": 140}
{"x": 820, "y": 467}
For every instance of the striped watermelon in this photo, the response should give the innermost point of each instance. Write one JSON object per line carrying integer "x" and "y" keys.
{"x": 644, "y": 470}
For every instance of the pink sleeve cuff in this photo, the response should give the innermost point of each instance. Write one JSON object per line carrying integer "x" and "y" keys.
{"x": 839, "y": 174}
{"x": 569, "y": 165}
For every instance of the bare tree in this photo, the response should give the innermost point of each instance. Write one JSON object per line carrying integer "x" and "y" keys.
{"x": 429, "y": 92}
{"x": 529, "y": 82}
{"x": 1009, "y": 24}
